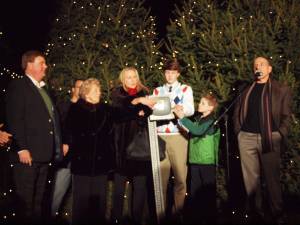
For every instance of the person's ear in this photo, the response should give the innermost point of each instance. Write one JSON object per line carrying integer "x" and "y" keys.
{"x": 270, "y": 69}
{"x": 210, "y": 108}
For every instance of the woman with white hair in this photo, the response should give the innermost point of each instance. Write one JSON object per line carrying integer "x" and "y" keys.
{"x": 89, "y": 126}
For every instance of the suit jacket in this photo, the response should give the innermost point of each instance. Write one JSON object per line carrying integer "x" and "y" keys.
{"x": 30, "y": 122}
{"x": 281, "y": 108}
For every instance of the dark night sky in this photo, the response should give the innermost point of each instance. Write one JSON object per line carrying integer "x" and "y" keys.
{"x": 26, "y": 24}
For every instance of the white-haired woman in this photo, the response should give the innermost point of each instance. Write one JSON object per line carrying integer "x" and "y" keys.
{"x": 89, "y": 133}
{"x": 131, "y": 91}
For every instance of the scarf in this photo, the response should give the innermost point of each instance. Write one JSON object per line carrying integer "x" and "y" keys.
{"x": 132, "y": 91}
{"x": 265, "y": 115}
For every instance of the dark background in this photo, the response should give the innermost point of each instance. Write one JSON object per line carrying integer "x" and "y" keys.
{"x": 26, "y": 23}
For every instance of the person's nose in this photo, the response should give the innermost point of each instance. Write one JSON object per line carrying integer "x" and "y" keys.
{"x": 257, "y": 68}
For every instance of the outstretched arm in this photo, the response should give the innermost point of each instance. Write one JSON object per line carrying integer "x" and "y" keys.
{"x": 195, "y": 128}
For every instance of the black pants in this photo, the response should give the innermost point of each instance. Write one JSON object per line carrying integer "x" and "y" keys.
{"x": 142, "y": 193}
{"x": 202, "y": 199}
{"x": 89, "y": 199}
{"x": 118, "y": 196}
{"x": 30, "y": 186}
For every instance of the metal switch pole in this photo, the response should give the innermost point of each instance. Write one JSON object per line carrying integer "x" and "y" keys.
{"x": 156, "y": 172}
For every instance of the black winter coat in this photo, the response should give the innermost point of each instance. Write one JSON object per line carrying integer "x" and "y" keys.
{"x": 125, "y": 131}
{"x": 89, "y": 135}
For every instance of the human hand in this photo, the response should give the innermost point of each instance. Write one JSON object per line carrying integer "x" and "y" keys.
{"x": 141, "y": 113}
{"x": 25, "y": 157}
{"x": 65, "y": 149}
{"x": 4, "y": 137}
{"x": 148, "y": 101}
{"x": 145, "y": 101}
{"x": 179, "y": 112}
{"x": 178, "y": 107}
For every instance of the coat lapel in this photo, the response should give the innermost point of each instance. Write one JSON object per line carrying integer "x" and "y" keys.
{"x": 37, "y": 94}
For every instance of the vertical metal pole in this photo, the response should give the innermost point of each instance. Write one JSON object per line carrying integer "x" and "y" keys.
{"x": 227, "y": 146}
{"x": 156, "y": 172}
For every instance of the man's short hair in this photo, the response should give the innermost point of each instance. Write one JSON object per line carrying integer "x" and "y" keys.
{"x": 172, "y": 64}
{"x": 211, "y": 99}
{"x": 29, "y": 56}
{"x": 264, "y": 57}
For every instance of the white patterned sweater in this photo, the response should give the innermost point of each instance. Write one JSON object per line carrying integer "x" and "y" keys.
{"x": 179, "y": 94}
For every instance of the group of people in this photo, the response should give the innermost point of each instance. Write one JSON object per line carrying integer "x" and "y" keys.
{"x": 87, "y": 140}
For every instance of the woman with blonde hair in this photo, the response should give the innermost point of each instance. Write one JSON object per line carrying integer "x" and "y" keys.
{"x": 131, "y": 93}
{"x": 136, "y": 84}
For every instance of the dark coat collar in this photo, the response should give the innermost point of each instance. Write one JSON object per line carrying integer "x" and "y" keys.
{"x": 88, "y": 106}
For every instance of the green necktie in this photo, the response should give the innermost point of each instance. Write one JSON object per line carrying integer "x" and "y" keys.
{"x": 47, "y": 101}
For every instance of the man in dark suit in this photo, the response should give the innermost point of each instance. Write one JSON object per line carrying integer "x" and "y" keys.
{"x": 261, "y": 121}
{"x": 33, "y": 122}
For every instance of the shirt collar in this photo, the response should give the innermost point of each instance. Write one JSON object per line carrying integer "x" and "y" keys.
{"x": 174, "y": 85}
{"x": 35, "y": 82}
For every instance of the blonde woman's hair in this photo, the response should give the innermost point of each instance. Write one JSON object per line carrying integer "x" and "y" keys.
{"x": 86, "y": 87}
{"x": 140, "y": 86}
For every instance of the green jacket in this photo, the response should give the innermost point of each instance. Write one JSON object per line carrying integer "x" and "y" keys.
{"x": 204, "y": 140}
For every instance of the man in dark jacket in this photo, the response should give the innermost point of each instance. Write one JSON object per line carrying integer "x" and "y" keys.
{"x": 62, "y": 178}
{"x": 33, "y": 122}
{"x": 261, "y": 121}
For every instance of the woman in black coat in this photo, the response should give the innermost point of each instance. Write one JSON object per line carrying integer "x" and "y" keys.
{"x": 131, "y": 92}
{"x": 89, "y": 134}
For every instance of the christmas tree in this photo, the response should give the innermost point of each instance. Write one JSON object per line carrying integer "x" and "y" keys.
{"x": 216, "y": 42}
{"x": 99, "y": 38}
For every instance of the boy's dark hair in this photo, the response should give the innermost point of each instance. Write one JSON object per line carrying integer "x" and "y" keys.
{"x": 172, "y": 64}
{"x": 212, "y": 100}
{"x": 29, "y": 56}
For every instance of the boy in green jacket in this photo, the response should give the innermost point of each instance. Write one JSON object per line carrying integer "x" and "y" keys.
{"x": 203, "y": 158}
